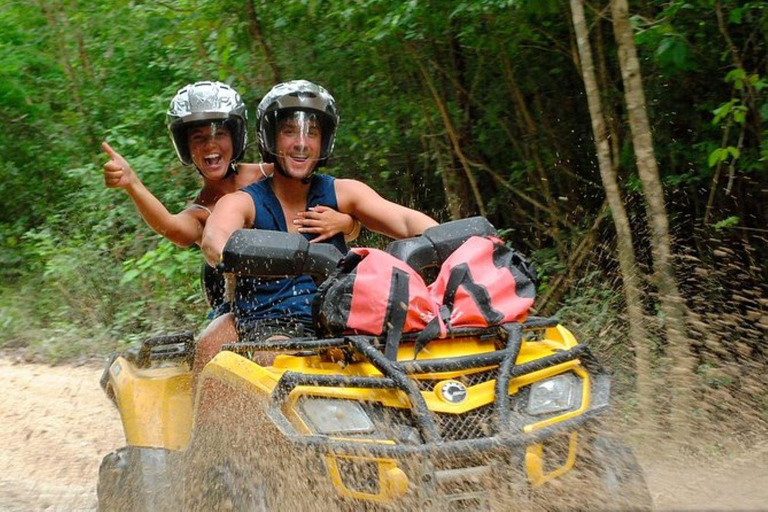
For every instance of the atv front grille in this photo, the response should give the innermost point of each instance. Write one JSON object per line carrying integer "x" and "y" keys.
{"x": 468, "y": 380}
{"x": 419, "y": 424}
{"x": 474, "y": 424}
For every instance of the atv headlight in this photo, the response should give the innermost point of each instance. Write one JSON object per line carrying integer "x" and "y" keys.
{"x": 330, "y": 416}
{"x": 557, "y": 394}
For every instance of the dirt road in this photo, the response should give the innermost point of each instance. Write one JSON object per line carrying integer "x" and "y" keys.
{"x": 56, "y": 425}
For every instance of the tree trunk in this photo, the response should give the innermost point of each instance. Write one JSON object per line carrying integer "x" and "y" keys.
{"x": 531, "y": 141}
{"x": 626, "y": 253}
{"x": 254, "y": 27}
{"x": 672, "y": 305}
{"x": 453, "y": 135}
{"x": 604, "y": 81}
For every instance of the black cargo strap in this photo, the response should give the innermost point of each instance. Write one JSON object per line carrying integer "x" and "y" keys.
{"x": 397, "y": 312}
{"x": 461, "y": 276}
{"x": 431, "y": 331}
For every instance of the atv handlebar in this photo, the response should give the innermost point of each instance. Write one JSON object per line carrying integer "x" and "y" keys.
{"x": 257, "y": 252}
{"x": 164, "y": 346}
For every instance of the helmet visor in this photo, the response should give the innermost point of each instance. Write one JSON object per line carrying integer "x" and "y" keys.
{"x": 299, "y": 133}
{"x": 200, "y": 134}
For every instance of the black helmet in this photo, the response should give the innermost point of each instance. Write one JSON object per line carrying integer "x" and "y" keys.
{"x": 287, "y": 98}
{"x": 203, "y": 103}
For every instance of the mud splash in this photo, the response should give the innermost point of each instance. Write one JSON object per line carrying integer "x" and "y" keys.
{"x": 56, "y": 425}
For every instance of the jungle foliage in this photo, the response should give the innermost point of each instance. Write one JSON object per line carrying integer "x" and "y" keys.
{"x": 454, "y": 107}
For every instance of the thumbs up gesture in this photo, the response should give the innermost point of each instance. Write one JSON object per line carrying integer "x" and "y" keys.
{"x": 117, "y": 171}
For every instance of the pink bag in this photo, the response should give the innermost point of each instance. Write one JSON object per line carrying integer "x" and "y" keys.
{"x": 484, "y": 283}
{"x": 374, "y": 293}
{"x": 481, "y": 284}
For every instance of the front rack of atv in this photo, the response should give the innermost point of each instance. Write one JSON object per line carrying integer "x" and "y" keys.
{"x": 395, "y": 376}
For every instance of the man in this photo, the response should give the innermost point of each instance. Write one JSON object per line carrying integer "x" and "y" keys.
{"x": 296, "y": 123}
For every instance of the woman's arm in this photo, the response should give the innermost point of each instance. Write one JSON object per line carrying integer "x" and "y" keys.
{"x": 183, "y": 229}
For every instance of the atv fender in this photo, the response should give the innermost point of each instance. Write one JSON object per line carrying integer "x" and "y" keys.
{"x": 155, "y": 403}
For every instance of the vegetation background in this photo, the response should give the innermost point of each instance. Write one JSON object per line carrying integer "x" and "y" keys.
{"x": 454, "y": 107}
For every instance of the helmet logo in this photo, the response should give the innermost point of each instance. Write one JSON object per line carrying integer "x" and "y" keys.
{"x": 203, "y": 99}
{"x": 452, "y": 391}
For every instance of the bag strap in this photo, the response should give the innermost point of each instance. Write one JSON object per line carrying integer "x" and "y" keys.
{"x": 431, "y": 331}
{"x": 462, "y": 276}
{"x": 397, "y": 312}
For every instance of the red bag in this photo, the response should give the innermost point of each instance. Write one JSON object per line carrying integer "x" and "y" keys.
{"x": 374, "y": 293}
{"x": 482, "y": 283}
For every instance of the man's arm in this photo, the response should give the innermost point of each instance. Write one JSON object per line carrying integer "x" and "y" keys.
{"x": 183, "y": 229}
{"x": 233, "y": 211}
{"x": 378, "y": 214}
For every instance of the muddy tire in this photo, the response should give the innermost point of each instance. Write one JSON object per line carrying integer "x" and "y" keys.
{"x": 219, "y": 476}
{"x": 606, "y": 476}
{"x": 136, "y": 479}
{"x": 226, "y": 487}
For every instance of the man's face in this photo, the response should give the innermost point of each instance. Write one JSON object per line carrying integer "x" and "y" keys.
{"x": 299, "y": 140}
{"x": 211, "y": 149}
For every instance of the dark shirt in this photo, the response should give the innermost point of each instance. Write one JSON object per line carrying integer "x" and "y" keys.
{"x": 290, "y": 299}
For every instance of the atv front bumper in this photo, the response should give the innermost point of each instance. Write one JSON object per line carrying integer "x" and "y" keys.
{"x": 391, "y": 469}
{"x": 439, "y": 470}
{"x": 464, "y": 474}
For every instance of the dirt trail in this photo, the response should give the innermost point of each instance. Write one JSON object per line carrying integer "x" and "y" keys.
{"x": 736, "y": 482}
{"x": 56, "y": 425}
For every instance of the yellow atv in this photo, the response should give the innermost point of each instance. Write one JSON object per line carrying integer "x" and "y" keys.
{"x": 500, "y": 418}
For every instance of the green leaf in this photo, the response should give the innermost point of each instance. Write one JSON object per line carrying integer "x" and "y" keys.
{"x": 717, "y": 156}
{"x": 129, "y": 276}
{"x": 736, "y": 14}
{"x": 722, "y": 111}
{"x": 673, "y": 52}
{"x": 759, "y": 84}
{"x": 728, "y": 222}
{"x": 737, "y": 75}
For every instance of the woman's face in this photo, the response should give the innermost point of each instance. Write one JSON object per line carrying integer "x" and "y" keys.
{"x": 211, "y": 149}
